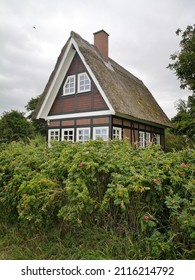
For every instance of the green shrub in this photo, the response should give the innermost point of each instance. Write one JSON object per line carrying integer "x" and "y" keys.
{"x": 107, "y": 184}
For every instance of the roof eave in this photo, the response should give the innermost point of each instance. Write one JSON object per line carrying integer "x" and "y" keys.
{"x": 168, "y": 124}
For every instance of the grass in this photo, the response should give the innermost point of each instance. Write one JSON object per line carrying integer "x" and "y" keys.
{"x": 94, "y": 243}
{"x": 84, "y": 244}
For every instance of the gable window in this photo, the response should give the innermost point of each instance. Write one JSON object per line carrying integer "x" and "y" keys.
{"x": 53, "y": 135}
{"x": 84, "y": 83}
{"x": 83, "y": 134}
{"x": 117, "y": 133}
{"x": 68, "y": 134}
{"x": 69, "y": 86}
{"x": 100, "y": 132}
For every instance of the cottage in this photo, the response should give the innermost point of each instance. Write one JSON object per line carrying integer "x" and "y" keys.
{"x": 89, "y": 95}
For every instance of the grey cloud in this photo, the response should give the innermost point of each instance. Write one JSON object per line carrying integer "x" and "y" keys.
{"x": 142, "y": 37}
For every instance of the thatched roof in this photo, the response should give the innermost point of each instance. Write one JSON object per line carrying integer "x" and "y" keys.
{"x": 126, "y": 93}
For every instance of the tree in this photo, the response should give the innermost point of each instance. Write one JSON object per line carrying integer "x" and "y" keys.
{"x": 39, "y": 125}
{"x": 184, "y": 60}
{"x": 31, "y": 106}
{"x": 14, "y": 126}
{"x": 184, "y": 121}
{"x": 184, "y": 68}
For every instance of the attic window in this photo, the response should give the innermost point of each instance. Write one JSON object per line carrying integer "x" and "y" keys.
{"x": 69, "y": 86}
{"x": 84, "y": 83}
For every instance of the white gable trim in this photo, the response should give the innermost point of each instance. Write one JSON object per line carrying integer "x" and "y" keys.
{"x": 59, "y": 76}
{"x": 80, "y": 115}
{"x": 57, "y": 81}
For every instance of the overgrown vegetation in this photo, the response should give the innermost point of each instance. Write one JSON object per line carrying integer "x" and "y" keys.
{"x": 98, "y": 200}
{"x": 183, "y": 65}
{"x": 14, "y": 127}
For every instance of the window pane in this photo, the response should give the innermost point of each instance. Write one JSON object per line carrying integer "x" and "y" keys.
{"x": 69, "y": 86}
{"x": 100, "y": 133}
{"x": 84, "y": 83}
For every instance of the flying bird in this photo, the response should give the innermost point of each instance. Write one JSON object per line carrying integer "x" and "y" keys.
{"x": 34, "y": 27}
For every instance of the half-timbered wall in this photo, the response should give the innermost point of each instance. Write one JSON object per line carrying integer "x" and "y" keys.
{"x": 129, "y": 129}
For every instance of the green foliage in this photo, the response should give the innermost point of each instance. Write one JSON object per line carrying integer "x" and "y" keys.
{"x": 184, "y": 68}
{"x": 184, "y": 60}
{"x": 14, "y": 127}
{"x": 184, "y": 121}
{"x": 144, "y": 195}
{"x": 40, "y": 125}
{"x": 176, "y": 142}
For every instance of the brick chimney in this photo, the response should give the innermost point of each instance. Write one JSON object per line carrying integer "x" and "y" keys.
{"x": 101, "y": 43}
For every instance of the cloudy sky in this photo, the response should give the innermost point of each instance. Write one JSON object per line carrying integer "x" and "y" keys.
{"x": 142, "y": 38}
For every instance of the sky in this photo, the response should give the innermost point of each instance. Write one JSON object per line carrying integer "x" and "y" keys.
{"x": 142, "y": 38}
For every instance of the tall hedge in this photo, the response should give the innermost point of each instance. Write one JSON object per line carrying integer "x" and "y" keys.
{"x": 144, "y": 191}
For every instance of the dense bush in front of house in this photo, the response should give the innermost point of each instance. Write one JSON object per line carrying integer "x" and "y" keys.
{"x": 143, "y": 193}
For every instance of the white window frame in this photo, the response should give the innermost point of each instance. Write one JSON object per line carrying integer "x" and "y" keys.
{"x": 70, "y": 89}
{"x": 148, "y": 139}
{"x": 83, "y": 138}
{"x": 50, "y": 136}
{"x": 158, "y": 139}
{"x": 86, "y": 78}
{"x": 100, "y": 135}
{"x": 142, "y": 139}
{"x": 69, "y": 136}
{"x": 117, "y": 132}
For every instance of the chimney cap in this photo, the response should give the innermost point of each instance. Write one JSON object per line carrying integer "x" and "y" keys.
{"x": 100, "y": 31}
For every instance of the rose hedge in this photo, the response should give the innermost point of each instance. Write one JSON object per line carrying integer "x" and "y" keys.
{"x": 109, "y": 184}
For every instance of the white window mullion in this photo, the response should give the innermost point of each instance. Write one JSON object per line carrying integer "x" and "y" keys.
{"x": 158, "y": 139}
{"x": 100, "y": 132}
{"x": 147, "y": 139}
{"x": 67, "y": 134}
{"x": 83, "y": 134}
{"x": 117, "y": 133}
{"x": 84, "y": 83}
{"x": 142, "y": 139}
{"x": 69, "y": 85}
{"x": 53, "y": 135}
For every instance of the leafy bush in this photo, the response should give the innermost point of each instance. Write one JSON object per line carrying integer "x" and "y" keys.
{"x": 14, "y": 127}
{"x": 107, "y": 184}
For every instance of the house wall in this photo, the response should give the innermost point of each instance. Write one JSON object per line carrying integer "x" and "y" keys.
{"x": 78, "y": 102}
{"x": 89, "y": 102}
{"x": 129, "y": 129}
{"x": 74, "y": 123}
